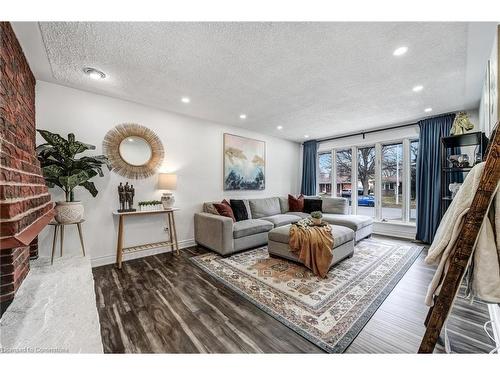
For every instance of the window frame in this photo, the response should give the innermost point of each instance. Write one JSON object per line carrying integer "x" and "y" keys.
{"x": 406, "y": 176}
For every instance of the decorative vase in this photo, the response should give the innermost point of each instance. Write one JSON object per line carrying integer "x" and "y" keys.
{"x": 168, "y": 200}
{"x": 316, "y": 221}
{"x": 69, "y": 212}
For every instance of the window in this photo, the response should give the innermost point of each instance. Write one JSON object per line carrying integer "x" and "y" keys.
{"x": 392, "y": 177}
{"x": 413, "y": 180}
{"x": 344, "y": 172}
{"x": 325, "y": 174}
{"x": 366, "y": 181}
{"x": 383, "y": 176}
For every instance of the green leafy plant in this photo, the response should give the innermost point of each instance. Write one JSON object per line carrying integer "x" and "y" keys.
{"x": 149, "y": 203}
{"x": 62, "y": 168}
{"x": 316, "y": 215}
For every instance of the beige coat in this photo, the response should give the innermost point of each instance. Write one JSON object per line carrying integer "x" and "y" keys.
{"x": 486, "y": 257}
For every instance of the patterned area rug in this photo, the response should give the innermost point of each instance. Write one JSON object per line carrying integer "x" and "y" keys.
{"x": 328, "y": 312}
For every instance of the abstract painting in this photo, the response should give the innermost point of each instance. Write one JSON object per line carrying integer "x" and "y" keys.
{"x": 244, "y": 163}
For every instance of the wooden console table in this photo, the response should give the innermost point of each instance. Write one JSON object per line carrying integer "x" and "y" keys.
{"x": 172, "y": 240}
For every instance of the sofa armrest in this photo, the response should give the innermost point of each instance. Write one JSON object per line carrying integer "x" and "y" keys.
{"x": 335, "y": 205}
{"x": 214, "y": 232}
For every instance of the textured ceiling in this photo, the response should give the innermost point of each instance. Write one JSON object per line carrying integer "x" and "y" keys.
{"x": 320, "y": 79}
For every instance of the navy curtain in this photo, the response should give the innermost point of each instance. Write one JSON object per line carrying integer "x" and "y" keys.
{"x": 429, "y": 174}
{"x": 309, "y": 168}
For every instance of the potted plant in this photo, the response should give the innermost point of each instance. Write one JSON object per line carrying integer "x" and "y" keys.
{"x": 62, "y": 168}
{"x": 316, "y": 217}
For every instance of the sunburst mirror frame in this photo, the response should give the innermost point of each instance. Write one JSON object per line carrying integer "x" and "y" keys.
{"x": 111, "y": 148}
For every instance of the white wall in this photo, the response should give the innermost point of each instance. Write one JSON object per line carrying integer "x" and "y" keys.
{"x": 193, "y": 150}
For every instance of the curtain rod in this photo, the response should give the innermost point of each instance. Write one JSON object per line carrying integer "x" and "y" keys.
{"x": 362, "y": 133}
{"x": 365, "y": 132}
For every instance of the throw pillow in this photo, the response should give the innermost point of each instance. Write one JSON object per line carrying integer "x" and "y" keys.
{"x": 239, "y": 209}
{"x": 224, "y": 209}
{"x": 296, "y": 204}
{"x": 311, "y": 205}
{"x": 209, "y": 208}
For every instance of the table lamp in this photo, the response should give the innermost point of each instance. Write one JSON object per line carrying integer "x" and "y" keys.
{"x": 167, "y": 181}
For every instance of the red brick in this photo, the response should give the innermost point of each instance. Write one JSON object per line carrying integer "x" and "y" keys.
{"x": 18, "y": 163}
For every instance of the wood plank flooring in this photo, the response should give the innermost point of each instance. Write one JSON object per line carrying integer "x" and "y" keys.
{"x": 165, "y": 304}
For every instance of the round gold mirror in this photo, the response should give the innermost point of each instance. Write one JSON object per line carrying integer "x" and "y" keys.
{"x": 133, "y": 150}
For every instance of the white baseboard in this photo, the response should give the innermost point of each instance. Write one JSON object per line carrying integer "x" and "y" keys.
{"x": 110, "y": 259}
{"x": 405, "y": 231}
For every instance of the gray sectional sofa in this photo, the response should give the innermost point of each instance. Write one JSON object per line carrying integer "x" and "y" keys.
{"x": 221, "y": 235}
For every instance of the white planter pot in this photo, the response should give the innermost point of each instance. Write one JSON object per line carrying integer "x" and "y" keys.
{"x": 167, "y": 200}
{"x": 69, "y": 212}
{"x": 316, "y": 221}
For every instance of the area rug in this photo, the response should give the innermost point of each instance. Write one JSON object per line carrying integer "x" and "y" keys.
{"x": 328, "y": 312}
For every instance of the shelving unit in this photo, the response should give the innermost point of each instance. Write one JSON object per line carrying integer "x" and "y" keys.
{"x": 448, "y": 144}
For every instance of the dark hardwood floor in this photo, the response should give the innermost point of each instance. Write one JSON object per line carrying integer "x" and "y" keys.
{"x": 165, "y": 304}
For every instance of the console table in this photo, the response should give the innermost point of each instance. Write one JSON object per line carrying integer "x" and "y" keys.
{"x": 172, "y": 240}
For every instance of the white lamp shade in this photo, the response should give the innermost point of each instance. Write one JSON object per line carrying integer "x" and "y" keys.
{"x": 167, "y": 181}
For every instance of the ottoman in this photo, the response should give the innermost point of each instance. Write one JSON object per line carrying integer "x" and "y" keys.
{"x": 343, "y": 243}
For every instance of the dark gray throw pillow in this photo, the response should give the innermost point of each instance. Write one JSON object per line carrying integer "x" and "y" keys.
{"x": 239, "y": 209}
{"x": 311, "y": 205}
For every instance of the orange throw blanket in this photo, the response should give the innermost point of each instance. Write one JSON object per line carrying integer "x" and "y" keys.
{"x": 314, "y": 245}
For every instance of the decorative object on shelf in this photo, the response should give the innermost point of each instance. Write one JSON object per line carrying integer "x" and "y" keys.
{"x": 316, "y": 217}
{"x": 133, "y": 150}
{"x": 453, "y": 188}
{"x": 150, "y": 206}
{"x": 126, "y": 195}
{"x": 167, "y": 181}
{"x": 62, "y": 168}
{"x": 244, "y": 163}
{"x": 172, "y": 231}
{"x": 461, "y": 124}
{"x": 454, "y": 168}
{"x": 458, "y": 161}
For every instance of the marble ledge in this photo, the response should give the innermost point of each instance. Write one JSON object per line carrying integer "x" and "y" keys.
{"x": 54, "y": 310}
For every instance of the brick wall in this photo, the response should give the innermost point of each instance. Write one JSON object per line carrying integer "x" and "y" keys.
{"x": 25, "y": 204}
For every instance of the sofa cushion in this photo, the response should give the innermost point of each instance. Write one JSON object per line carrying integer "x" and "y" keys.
{"x": 355, "y": 222}
{"x": 209, "y": 208}
{"x": 284, "y": 204}
{"x": 302, "y": 215}
{"x": 282, "y": 219}
{"x": 224, "y": 209}
{"x": 264, "y": 207}
{"x": 335, "y": 205}
{"x": 311, "y": 205}
{"x": 296, "y": 204}
{"x": 239, "y": 209}
{"x": 252, "y": 226}
{"x": 340, "y": 235}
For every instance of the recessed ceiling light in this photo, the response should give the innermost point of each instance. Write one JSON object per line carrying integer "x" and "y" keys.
{"x": 243, "y": 116}
{"x": 279, "y": 127}
{"x": 400, "y": 51}
{"x": 428, "y": 110}
{"x": 418, "y": 88}
{"x": 306, "y": 136}
{"x": 185, "y": 99}
{"x": 94, "y": 73}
